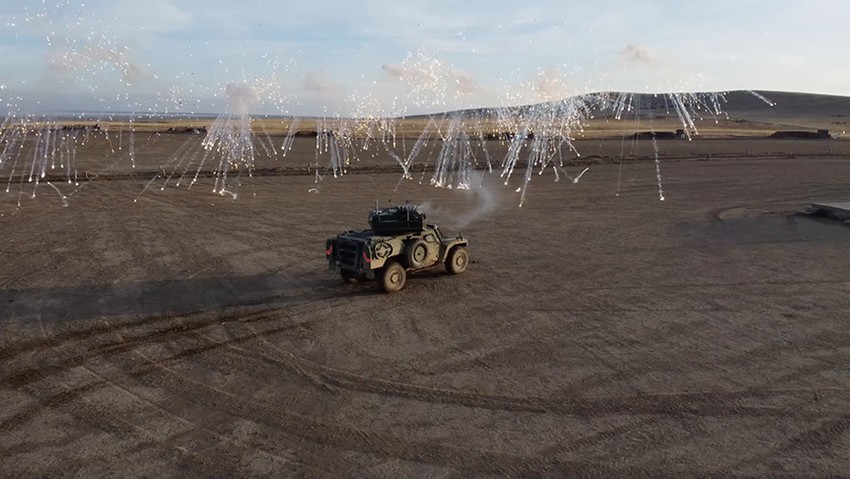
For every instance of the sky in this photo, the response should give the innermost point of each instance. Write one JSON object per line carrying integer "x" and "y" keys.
{"x": 340, "y": 57}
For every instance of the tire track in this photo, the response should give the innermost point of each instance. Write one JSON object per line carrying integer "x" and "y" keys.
{"x": 61, "y": 339}
{"x": 765, "y": 351}
{"x": 167, "y": 326}
{"x": 824, "y": 435}
{"x": 326, "y": 377}
{"x": 709, "y": 404}
{"x": 380, "y": 445}
{"x": 504, "y": 468}
{"x": 817, "y": 438}
{"x": 23, "y": 377}
{"x": 47, "y": 401}
{"x": 210, "y": 433}
{"x": 74, "y": 401}
{"x": 105, "y": 347}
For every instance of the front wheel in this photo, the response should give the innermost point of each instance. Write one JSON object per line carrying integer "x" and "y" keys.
{"x": 458, "y": 260}
{"x": 393, "y": 277}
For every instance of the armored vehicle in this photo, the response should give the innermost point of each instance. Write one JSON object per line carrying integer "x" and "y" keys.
{"x": 398, "y": 242}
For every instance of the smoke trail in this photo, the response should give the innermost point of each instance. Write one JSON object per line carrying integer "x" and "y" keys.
{"x": 481, "y": 202}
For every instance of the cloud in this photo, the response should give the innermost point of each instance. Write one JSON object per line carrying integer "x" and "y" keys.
{"x": 634, "y": 53}
{"x": 84, "y": 61}
{"x": 319, "y": 82}
{"x": 394, "y": 71}
{"x": 425, "y": 74}
{"x": 464, "y": 81}
{"x": 153, "y": 16}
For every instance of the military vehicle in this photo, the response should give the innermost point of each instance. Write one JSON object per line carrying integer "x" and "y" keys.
{"x": 398, "y": 242}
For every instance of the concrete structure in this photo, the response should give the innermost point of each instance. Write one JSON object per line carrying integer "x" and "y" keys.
{"x": 839, "y": 211}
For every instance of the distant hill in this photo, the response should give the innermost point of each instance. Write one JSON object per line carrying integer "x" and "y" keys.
{"x": 788, "y": 104}
{"x": 753, "y": 110}
{"x": 741, "y": 103}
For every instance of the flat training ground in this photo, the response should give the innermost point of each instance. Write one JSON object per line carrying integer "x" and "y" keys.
{"x": 597, "y": 334}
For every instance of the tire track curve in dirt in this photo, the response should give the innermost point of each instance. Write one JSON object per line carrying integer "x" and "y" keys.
{"x": 75, "y": 401}
{"x": 381, "y": 445}
{"x": 705, "y": 403}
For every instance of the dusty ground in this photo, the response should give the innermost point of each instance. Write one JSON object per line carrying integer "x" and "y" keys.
{"x": 596, "y": 334}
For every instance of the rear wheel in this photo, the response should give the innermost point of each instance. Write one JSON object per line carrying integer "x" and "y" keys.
{"x": 458, "y": 260}
{"x": 393, "y": 277}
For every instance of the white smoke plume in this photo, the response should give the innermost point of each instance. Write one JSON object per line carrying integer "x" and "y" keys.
{"x": 550, "y": 85}
{"x": 482, "y": 203}
{"x": 241, "y": 98}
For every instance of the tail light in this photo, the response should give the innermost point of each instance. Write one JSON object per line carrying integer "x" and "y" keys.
{"x": 329, "y": 251}
{"x": 366, "y": 257}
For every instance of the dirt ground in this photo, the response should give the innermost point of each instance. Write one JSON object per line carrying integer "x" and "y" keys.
{"x": 599, "y": 332}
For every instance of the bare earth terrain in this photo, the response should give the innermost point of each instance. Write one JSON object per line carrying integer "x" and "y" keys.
{"x": 597, "y": 334}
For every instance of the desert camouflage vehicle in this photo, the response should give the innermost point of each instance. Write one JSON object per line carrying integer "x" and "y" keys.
{"x": 398, "y": 242}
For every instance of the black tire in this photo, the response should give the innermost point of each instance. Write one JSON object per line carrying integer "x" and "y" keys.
{"x": 416, "y": 254}
{"x": 349, "y": 277}
{"x": 458, "y": 260}
{"x": 393, "y": 277}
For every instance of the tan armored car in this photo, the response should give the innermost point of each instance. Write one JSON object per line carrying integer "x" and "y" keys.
{"x": 398, "y": 242}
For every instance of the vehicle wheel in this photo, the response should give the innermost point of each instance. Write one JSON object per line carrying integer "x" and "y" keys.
{"x": 416, "y": 254}
{"x": 458, "y": 260}
{"x": 393, "y": 277}
{"x": 349, "y": 277}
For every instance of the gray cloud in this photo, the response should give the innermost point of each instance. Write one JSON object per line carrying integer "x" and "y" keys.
{"x": 394, "y": 71}
{"x": 634, "y": 53}
{"x": 85, "y": 61}
{"x": 320, "y": 83}
{"x": 465, "y": 82}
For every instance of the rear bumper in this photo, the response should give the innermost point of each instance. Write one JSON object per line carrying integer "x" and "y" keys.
{"x": 336, "y": 267}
